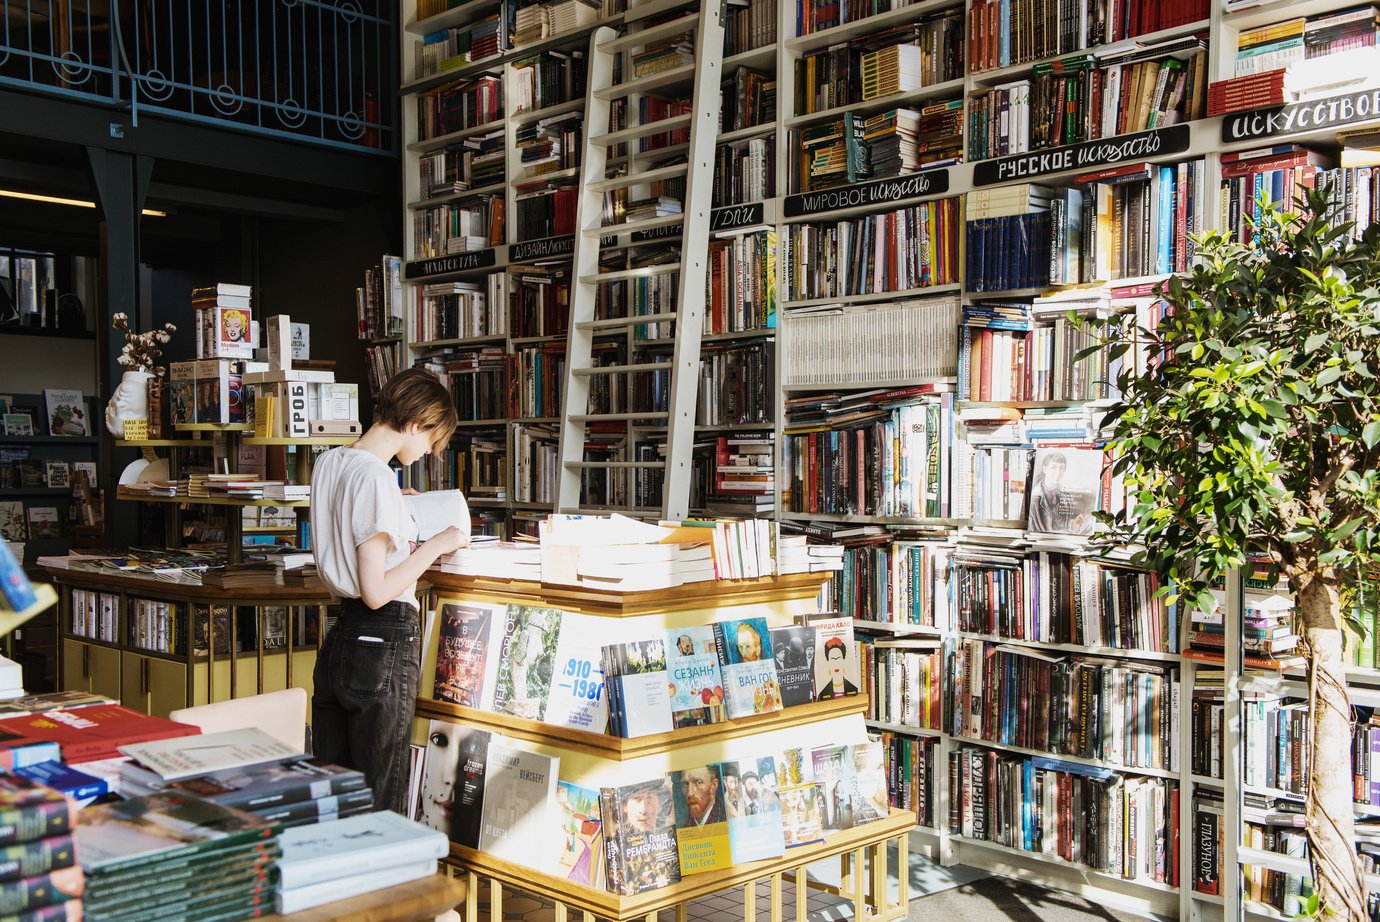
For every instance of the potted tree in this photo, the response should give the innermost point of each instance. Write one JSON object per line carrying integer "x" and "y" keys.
{"x": 1251, "y": 427}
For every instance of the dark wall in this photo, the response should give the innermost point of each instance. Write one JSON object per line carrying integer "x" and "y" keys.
{"x": 310, "y": 271}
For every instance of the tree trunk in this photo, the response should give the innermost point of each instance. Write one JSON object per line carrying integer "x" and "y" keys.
{"x": 1337, "y": 876}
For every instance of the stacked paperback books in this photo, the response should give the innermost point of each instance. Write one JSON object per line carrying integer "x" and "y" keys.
{"x": 322, "y": 864}
{"x": 173, "y": 854}
{"x": 39, "y": 878}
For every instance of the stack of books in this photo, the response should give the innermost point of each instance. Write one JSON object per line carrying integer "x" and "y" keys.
{"x": 91, "y": 733}
{"x": 896, "y": 69}
{"x": 357, "y": 855}
{"x": 243, "y": 575}
{"x": 1267, "y": 632}
{"x": 172, "y": 854}
{"x": 303, "y": 577}
{"x": 39, "y": 878}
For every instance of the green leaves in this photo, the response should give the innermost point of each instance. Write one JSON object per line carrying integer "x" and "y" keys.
{"x": 1234, "y": 447}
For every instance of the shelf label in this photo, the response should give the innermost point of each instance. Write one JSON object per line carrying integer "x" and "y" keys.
{"x": 668, "y": 232}
{"x": 458, "y": 262}
{"x": 732, "y": 216}
{"x": 876, "y": 192}
{"x": 1143, "y": 145}
{"x": 1363, "y": 105}
{"x": 541, "y": 249}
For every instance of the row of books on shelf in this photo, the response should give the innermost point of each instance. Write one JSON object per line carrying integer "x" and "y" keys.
{"x": 891, "y": 143}
{"x": 1002, "y": 33}
{"x": 898, "y": 60}
{"x": 876, "y": 453}
{"x": 161, "y": 627}
{"x": 1119, "y": 825}
{"x": 694, "y": 675}
{"x": 903, "y": 681}
{"x": 379, "y": 302}
{"x": 1086, "y": 98}
{"x": 911, "y": 777}
{"x": 890, "y": 578}
{"x": 632, "y": 838}
{"x": 1126, "y": 712}
{"x": 460, "y": 309}
{"x": 1299, "y": 58}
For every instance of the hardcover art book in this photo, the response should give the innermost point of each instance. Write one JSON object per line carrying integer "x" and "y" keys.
{"x": 519, "y": 806}
{"x": 702, "y": 839}
{"x": 268, "y": 784}
{"x": 332, "y": 851}
{"x": 696, "y": 684}
{"x": 749, "y": 673}
{"x": 90, "y": 733}
{"x": 836, "y": 658}
{"x": 466, "y": 653}
{"x": 754, "y": 809}
{"x": 30, "y": 811}
{"x": 793, "y": 649}
{"x": 871, "y": 802}
{"x": 836, "y": 777}
{"x": 635, "y": 679}
{"x": 131, "y": 832}
{"x": 526, "y": 660}
{"x": 1064, "y": 490}
{"x": 582, "y": 855}
{"x": 639, "y": 836}
{"x": 452, "y": 790}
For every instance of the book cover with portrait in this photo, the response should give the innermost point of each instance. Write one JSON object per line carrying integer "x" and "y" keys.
{"x": 753, "y": 805}
{"x": 519, "y": 807}
{"x": 639, "y": 836}
{"x": 694, "y": 679}
{"x": 793, "y": 649}
{"x": 749, "y": 672}
{"x": 1064, "y": 489}
{"x": 452, "y": 787}
{"x": 836, "y": 657}
{"x": 702, "y": 839}
{"x": 801, "y": 823}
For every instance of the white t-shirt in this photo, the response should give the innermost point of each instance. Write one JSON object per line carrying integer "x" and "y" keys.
{"x": 355, "y": 496}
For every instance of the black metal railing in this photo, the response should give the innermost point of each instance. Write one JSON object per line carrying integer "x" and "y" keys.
{"x": 315, "y": 70}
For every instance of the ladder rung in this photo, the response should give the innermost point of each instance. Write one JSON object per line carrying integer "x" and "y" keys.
{"x": 652, "y": 33}
{"x": 609, "y": 417}
{"x": 629, "y": 227}
{"x": 641, "y": 131}
{"x": 648, "y": 176}
{"x": 614, "y": 323}
{"x": 650, "y": 82}
{"x": 621, "y": 369}
{"x": 608, "y": 465}
{"x": 641, "y": 272}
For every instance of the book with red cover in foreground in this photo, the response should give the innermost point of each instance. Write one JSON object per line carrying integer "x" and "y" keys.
{"x": 93, "y": 732}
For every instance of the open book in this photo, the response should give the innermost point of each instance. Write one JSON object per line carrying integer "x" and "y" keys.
{"x": 438, "y": 510}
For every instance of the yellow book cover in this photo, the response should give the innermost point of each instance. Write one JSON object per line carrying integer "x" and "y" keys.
{"x": 701, "y": 820}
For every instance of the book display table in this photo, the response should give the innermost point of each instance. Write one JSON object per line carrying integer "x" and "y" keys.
{"x": 146, "y": 641}
{"x": 417, "y": 901}
{"x": 597, "y": 760}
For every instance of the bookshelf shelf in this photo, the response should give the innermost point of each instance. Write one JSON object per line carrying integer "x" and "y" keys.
{"x": 869, "y": 297}
{"x": 1213, "y": 898}
{"x": 444, "y": 140}
{"x": 35, "y": 491}
{"x": 491, "y": 64}
{"x": 308, "y": 442}
{"x": 865, "y": 26}
{"x": 448, "y": 197}
{"x": 1079, "y": 760}
{"x": 985, "y": 79}
{"x": 461, "y": 15}
{"x": 903, "y": 729}
{"x": 619, "y": 749}
{"x": 212, "y": 427}
{"x": 464, "y": 342}
{"x": 1071, "y": 865}
{"x": 890, "y": 627}
{"x": 211, "y": 500}
{"x": 743, "y": 134}
{"x": 48, "y": 440}
{"x": 752, "y": 59}
{"x": 527, "y": 116}
{"x": 606, "y": 905}
{"x": 1272, "y": 11}
{"x": 163, "y": 443}
{"x": 1077, "y": 648}
{"x": 881, "y": 103}
{"x": 610, "y": 604}
{"x": 1206, "y": 780}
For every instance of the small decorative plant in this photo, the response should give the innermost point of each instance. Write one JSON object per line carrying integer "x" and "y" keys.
{"x": 141, "y": 350}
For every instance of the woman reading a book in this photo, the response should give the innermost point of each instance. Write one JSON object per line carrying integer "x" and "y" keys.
{"x": 364, "y": 542}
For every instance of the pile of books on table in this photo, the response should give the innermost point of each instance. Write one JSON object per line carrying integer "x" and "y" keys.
{"x": 38, "y": 874}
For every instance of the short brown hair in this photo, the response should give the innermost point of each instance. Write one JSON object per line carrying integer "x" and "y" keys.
{"x": 417, "y": 396}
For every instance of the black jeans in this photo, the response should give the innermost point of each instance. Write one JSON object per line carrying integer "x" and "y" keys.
{"x": 366, "y": 691}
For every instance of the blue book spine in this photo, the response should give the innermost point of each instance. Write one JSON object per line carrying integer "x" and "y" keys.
{"x": 19, "y": 592}
{"x": 1163, "y": 261}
